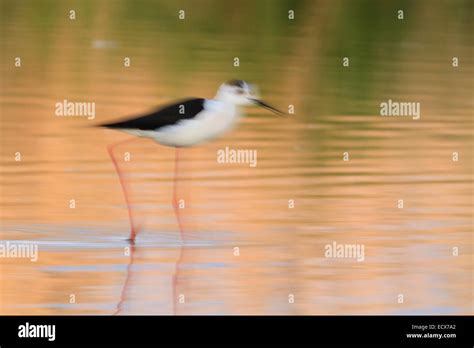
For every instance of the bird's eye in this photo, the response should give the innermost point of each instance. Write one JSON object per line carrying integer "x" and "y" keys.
{"x": 240, "y": 91}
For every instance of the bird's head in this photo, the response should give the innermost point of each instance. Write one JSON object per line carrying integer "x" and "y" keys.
{"x": 239, "y": 92}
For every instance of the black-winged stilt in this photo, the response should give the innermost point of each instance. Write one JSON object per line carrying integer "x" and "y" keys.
{"x": 187, "y": 123}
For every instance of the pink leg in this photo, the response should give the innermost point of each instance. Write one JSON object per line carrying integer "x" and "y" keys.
{"x": 175, "y": 193}
{"x": 125, "y": 188}
{"x": 177, "y": 212}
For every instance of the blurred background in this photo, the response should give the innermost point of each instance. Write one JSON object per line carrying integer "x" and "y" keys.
{"x": 295, "y": 62}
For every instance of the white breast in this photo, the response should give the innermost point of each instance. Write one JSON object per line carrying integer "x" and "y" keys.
{"x": 216, "y": 118}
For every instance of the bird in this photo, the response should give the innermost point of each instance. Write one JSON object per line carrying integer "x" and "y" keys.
{"x": 187, "y": 123}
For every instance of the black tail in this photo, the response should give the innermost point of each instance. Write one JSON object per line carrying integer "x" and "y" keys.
{"x": 110, "y": 125}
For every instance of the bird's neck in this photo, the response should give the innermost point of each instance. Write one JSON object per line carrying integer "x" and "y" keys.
{"x": 226, "y": 98}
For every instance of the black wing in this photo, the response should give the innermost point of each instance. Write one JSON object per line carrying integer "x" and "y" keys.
{"x": 166, "y": 116}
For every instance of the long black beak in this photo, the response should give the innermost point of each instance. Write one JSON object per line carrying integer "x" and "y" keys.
{"x": 268, "y": 107}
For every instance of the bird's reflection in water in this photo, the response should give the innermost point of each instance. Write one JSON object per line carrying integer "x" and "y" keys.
{"x": 178, "y": 170}
{"x": 175, "y": 279}
{"x": 128, "y": 280}
{"x": 126, "y": 284}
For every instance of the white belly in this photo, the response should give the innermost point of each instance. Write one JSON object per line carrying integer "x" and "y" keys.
{"x": 216, "y": 119}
